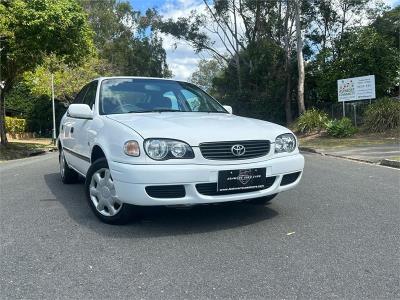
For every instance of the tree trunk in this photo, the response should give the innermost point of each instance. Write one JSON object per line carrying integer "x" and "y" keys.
{"x": 3, "y": 135}
{"x": 237, "y": 58}
{"x": 287, "y": 100}
{"x": 300, "y": 61}
{"x": 288, "y": 106}
{"x": 238, "y": 72}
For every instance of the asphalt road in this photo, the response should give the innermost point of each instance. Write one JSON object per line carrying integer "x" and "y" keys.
{"x": 345, "y": 217}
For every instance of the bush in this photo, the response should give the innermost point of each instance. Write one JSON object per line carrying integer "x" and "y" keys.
{"x": 340, "y": 128}
{"x": 382, "y": 115}
{"x": 311, "y": 120}
{"x": 15, "y": 125}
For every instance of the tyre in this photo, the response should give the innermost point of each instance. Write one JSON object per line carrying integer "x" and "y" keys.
{"x": 102, "y": 197}
{"x": 68, "y": 175}
{"x": 262, "y": 200}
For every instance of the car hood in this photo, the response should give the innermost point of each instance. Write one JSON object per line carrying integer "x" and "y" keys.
{"x": 196, "y": 128}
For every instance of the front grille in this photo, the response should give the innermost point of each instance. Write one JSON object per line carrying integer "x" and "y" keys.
{"x": 290, "y": 178}
{"x": 166, "y": 191}
{"x": 210, "y": 189}
{"x": 223, "y": 150}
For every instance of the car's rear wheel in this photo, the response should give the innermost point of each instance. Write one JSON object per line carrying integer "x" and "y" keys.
{"x": 262, "y": 200}
{"x": 102, "y": 196}
{"x": 68, "y": 175}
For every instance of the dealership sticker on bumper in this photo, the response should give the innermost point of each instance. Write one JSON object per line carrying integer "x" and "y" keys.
{"x": 238, "y": 180}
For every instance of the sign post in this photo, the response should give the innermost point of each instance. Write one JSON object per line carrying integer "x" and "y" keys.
{"x": 354, "y": 89}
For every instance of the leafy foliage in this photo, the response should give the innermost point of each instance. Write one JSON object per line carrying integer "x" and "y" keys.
{"x": 382, "y": 115}
{"x": 68, "y": 80}
{"x": 363, "y": 52}
{"x": 311, "y": 120}
{"x": 34, "y": 29}
{"x": 15, "y": 125}
{"x": 340, "y": 128}
{"x": 206, "y": 71}
{"x": 40, "y": 27}
{"x": 36, "y": 109}
{"x": 124, "y": 38}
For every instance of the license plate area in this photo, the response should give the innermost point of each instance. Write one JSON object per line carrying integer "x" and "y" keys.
{"x": 241, "y": 180}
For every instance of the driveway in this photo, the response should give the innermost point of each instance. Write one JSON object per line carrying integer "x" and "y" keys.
{"x": 335, "y": 236}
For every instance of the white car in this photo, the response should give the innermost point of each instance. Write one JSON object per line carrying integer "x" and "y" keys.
{"x": 148, "y": 141}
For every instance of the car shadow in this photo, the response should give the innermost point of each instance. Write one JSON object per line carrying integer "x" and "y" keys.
{"x": 158, "y": 221}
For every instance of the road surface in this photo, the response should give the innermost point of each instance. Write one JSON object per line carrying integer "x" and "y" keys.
{"x": 335, "y": 236}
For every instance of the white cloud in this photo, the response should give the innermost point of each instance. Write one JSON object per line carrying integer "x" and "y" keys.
{"x": 181, "y": 57}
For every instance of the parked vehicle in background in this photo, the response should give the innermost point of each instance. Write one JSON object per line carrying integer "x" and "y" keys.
{"x": 148, "y": 141}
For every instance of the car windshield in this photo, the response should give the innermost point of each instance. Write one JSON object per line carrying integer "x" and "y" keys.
{"x": 131, "y": 95}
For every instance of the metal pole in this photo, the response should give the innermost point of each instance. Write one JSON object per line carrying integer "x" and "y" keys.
{"x": 355, "y": 114}
{"x": 344, "y": 110}
{"x": 54, "y": 111}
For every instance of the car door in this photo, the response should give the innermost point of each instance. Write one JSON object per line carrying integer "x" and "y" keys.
{"x": 67, "y": 129}
{"x": 80, "y": 132}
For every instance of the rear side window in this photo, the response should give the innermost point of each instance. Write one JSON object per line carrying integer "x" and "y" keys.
{"x": 90, "y": 95}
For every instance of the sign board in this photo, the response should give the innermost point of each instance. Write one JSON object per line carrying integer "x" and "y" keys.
{"x": 357, "y": 88}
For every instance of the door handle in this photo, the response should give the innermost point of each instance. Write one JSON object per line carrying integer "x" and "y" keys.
{"x": 72, "y": 130}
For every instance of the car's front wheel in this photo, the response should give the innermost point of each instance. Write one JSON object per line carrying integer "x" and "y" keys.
{"x": 102, "y": 197}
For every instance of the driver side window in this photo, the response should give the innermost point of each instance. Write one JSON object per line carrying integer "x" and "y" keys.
{"x": 90, "y": 95}
{"x": 79, "y": 97}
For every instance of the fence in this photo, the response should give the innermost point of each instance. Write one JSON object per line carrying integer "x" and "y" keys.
{"x": 353, "y": 110}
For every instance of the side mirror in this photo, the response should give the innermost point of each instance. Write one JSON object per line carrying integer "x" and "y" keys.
{"x": 80, "y": 111}
{"x": 228, "y": 108}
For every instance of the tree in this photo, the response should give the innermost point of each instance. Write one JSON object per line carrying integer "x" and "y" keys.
{"x": 232, "y": 24}
{"x": 388, "y": 25}
{"x": 300, "y": 60}
{"x": 36, "y": 28}
{"x": 364, "y": 52}
{"x": 68, "y": 80}
{"x": 206, "y": 71}
{"x": 125, "y": 39}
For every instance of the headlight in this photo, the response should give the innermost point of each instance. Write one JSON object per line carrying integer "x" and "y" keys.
{"x": 285, "y": 143}
{"x": 163, "y": 149}
{"x": 131, "y": 148}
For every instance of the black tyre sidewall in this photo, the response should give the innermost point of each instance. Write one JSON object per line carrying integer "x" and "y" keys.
{"x": 124, "y": 215}
{"x": 70, "y": 175}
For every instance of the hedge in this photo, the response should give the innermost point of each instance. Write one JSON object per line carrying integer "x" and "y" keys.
{"x": 15, "y": 125}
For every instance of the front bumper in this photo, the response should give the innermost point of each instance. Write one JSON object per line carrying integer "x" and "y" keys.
{"x": 131, "y": 180}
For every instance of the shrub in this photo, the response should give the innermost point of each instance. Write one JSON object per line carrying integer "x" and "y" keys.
{"x": 311, "y": 120}
{"x": 15, "y": 125}
{"x": 382, "y": 115}
{"x": 340, "y": 128}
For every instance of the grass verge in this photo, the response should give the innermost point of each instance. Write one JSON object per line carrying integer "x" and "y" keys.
{"x": 24, "y": 148}
{"x": 362, "y": 139}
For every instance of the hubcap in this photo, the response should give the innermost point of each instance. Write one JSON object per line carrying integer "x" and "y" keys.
{"x": 102, "y": 193}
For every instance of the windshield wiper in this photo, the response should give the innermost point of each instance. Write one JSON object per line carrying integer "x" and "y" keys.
{"x": 155, "y": 110}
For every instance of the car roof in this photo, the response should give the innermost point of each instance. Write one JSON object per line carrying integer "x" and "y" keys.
{"x": 138, "y": 77}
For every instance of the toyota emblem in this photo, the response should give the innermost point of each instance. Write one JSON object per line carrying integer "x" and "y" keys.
{"x": 238, "y": 150}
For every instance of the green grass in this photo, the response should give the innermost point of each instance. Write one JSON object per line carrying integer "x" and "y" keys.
{"x": 20, "y": 149}
{"x": 359, "y": 140}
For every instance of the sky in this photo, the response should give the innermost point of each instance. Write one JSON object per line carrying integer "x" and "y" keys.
{"x": 181, "y": 59}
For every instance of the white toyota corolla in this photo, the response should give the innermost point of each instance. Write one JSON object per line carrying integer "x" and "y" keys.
{"x": 148, "y": 141}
